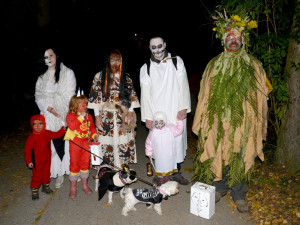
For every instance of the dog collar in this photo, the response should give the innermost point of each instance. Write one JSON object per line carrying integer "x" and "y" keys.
{"x": 122, "y": 180}
{"x": 161, "y": 191}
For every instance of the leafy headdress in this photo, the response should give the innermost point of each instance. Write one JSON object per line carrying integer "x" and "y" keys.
{"x": 238, "y": 23}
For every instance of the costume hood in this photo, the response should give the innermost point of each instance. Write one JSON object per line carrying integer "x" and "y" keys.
{"x": 38, "y": 117}
{"x": 160, "y": 116}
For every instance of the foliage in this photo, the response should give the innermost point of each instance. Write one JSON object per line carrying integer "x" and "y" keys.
{"x": 224, "y": 23}
{"x": 270, "y": 45}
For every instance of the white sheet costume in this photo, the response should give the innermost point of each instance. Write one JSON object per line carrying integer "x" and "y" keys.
{"x": 57, "y": 96}
{"x": 166, "y": 89}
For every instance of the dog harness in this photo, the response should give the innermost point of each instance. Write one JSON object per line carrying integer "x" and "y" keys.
{"x": 148, "y": 195}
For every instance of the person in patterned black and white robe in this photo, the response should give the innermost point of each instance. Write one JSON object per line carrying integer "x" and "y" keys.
{"x": 113, "y": 99}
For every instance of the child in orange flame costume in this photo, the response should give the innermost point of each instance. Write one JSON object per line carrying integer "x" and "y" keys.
{"x": 38, "y": 154}
{"x": 77, "y": 133}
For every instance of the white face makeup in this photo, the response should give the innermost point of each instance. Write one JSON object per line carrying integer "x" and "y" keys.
{"x": 157, "y": 47}
{"x": 50, "y": 58}
{"x": 233, "y": 41}
{"x": 159, "y": 124}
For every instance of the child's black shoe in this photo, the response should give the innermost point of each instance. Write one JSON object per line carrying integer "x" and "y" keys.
{"x": 46, "y": 188}
{"x": 35, "y": 193}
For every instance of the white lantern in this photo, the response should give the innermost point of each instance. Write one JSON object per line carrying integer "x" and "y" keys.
{"x": 96, "y": 154}
{"x": 202, "y": 200}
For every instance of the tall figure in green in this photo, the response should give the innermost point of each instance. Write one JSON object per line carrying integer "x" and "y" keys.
{"x": 231, "y": 114}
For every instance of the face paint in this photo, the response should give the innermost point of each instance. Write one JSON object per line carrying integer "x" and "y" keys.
{"x": 115, "y": 62}
{"x": 159, "y": 124}
{"x": 157, "y": 47}
{"x": 50, "y": 58}
{"x": 38, "y": 125}
{"x": 81, "y": 106}
{"x": 233, "y": 41}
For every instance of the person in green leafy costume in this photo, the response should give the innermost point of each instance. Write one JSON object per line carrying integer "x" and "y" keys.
{"x": 231, "y": 114}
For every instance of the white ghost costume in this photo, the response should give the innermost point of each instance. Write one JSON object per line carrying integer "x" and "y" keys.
{"x": 161, "y": 145}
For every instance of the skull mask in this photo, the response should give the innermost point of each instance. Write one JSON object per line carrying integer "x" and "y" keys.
{"x": 157, "y": 47}
{"x": 160, "y": 120}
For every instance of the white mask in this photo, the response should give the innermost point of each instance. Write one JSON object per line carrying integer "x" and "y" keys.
{"x": 159, "y": 124}
{"x": 50, "y": 58}
{"x": 157, "y": 47}
{"x": 160, "y": 119}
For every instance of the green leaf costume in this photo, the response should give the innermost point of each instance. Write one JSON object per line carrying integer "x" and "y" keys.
{"x": 230, "y": 118}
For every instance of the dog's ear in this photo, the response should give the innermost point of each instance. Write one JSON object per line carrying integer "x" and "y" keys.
{"x": 132, "y": 175}
{"x": 102, "y": 189}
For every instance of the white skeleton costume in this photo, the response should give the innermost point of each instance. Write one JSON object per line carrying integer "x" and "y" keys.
{"x": 56, "y": 95}
{"x": 165, "y": 89}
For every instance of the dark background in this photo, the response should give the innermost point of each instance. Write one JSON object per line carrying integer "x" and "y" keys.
{"x": 84, "y": 31}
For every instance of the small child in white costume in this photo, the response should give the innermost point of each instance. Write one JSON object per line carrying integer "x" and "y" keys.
{"x": 160, "y": 145}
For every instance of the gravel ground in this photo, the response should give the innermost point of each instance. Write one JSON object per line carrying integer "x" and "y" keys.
{"x": 16, "y": 206}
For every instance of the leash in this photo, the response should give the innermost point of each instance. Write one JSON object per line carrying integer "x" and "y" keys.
{"x": 140, "y": 179}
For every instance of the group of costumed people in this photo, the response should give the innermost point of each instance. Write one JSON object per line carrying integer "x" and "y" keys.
{"x": 230, "y": 118}
{"x": 231, "y": 114}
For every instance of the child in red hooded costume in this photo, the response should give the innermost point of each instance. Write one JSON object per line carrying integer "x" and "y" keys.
{"x": 80, "y": 126}
{"x": 38, "y": 154}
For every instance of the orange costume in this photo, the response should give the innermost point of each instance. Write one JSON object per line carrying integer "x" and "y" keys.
{"x": 78, "y": 134}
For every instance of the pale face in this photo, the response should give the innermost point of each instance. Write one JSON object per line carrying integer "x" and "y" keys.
{"x": 115, "y": 62}
{"x": 50, "y": 59}
{"x": 157, "y": 47}
{"x": 38, "y": 125}
{"x": 82, "y": 106}
{"x": 233, "y": 41}
{"x": 159, "y": 124}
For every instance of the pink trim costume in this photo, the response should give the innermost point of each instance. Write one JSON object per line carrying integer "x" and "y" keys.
{"x": 160, "y": 145}
{"x": 37, "y": 147}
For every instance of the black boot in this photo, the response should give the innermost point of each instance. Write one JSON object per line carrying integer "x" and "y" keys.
{"x": 46, "y": 188}
{"x": 179, "y": 178}
{"x": 35, "y": 193}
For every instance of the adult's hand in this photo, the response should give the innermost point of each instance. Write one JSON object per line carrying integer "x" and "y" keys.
{"x": 53, "y": 111}
{"x": 149, "y": 124}
{"x": 181, "y": 115}
{"x": 129, "y": 118}
{"x": 98, "y": 122}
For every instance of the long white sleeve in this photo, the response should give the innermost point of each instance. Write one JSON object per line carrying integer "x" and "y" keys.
{"x": 146, "y": 102}
{"x": 184, "y": 89}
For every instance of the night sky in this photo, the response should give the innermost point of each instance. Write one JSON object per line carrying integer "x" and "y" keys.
{"x": 84, "y": 31}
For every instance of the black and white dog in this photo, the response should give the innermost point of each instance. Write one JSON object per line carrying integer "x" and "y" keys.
{"x": 114, "y": 181}
{"x": 150, "y": 197}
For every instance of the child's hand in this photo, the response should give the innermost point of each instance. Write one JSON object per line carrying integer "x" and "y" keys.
{"x": 64, "y": 128}
{"x": 95, "y": 139}
{"x": 30, "y": 165}
{"x": 83, "y": 113}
